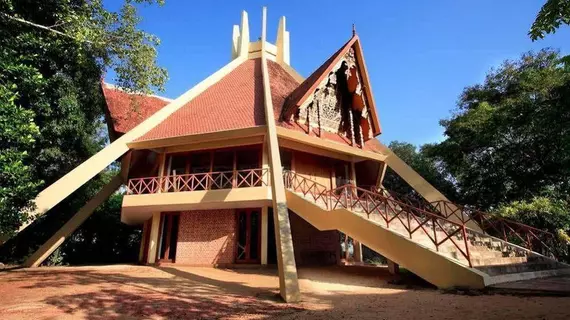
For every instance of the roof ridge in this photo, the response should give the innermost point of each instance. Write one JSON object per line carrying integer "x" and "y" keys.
{"x": 116, "y": 87}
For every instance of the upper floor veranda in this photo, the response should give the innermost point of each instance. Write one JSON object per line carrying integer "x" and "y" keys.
{"x": 232, "y": 170}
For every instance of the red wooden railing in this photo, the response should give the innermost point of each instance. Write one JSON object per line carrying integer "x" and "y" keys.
{"x": 438, "y": 229}
{"x": 526, "y": 236}
{"x": 199, "y": 181}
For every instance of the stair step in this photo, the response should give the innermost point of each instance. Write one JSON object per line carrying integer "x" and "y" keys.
{"x": 497, "y": 261}
{"x": 517, "y": 268}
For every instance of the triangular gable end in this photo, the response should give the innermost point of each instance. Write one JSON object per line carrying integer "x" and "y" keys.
{"x": 324, "y": 99}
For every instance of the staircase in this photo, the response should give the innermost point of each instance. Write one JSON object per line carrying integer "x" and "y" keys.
{"x": 443, "y": 251}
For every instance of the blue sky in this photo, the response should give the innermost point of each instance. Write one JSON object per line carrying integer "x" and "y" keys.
{"x": 420, "y": 54}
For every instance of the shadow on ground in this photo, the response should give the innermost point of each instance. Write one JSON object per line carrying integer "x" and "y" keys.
{"x": 189, "y": 293}
{"x": 173, "y": 294}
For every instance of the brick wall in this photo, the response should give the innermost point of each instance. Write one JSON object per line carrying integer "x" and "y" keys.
{"x": 311, "y": 246}
{"x": 206, "y": 237}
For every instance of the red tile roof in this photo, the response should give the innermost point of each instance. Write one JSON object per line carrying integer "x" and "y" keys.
{"x": 234, "y": 102}
{"x": 125, "y": 111}
{"x": 281, "y": 84}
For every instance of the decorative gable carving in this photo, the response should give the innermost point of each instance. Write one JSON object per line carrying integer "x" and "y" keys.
{"x": 338, "y": 104}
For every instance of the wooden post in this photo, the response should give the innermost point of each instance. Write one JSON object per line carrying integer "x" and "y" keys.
{"x": 234, "y": 176}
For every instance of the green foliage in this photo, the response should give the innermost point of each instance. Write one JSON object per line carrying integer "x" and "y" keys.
{"x": 421, "y": 163}
{"x": 17, "y": 136}
{"x": 52, "y": 107}
{"x": 55, "y": 79}
{"x": 542, "y": 212}
{"x": 509, "y": 139}
{"x": 89, "y": 245}
{"x": 550, "y": 213}
{"x": 551, "y": 16}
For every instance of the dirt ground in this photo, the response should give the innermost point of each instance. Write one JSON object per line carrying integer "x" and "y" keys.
{"x": 135, "y": 292}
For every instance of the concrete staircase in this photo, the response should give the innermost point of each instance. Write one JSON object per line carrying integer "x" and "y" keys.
{"x": 489, "y": 260}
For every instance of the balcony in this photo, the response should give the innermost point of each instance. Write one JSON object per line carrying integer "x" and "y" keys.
{"x": 197, "y": 191}
{"x": 199, "y": 181}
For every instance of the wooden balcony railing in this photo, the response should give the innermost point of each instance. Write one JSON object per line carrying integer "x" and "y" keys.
{"x": 199, "y": 181}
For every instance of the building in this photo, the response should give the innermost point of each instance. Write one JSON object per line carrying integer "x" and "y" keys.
{"x": 258, "y": 165}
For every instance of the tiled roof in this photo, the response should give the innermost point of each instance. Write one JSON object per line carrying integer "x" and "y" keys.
{"x": 309, "y": 85}
{"x": 281, "y": 84}
{"x": 234, "y": 102}
{"x": 125, "y": 111}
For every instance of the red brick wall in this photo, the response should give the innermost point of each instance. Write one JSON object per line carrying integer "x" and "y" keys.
{"x": 206, "y": 237}
{"x": 311, "y": 246}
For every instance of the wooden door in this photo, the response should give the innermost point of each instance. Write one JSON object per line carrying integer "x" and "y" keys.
{"x": 248, "y": 236}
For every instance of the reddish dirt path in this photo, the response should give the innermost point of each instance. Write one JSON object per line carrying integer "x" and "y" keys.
{"x": 134, "y": 292}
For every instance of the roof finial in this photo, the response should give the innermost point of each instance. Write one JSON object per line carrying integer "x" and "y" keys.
{"x": 353, "y": 29}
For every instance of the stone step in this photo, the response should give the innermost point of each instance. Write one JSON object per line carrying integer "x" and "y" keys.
{"x": 495, "y": 270}
{"x": 478, "y": 262}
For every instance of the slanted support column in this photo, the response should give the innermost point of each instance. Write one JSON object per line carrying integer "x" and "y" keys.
{"x": 421, "y": 186}
{"x": 70, "y": 226}
{"x": 288, "y": 282}
{"x": 153, "y": 239}
{"x": 264, "y": 210}
{"x": 393, "y": 267}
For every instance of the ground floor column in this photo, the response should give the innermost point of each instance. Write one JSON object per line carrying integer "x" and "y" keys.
{"x": 153, "y": 239}
{"x": 357, "y": 254}
{"x": 143, "y": 241}
{"x": 393, "y": 267}
{"x": 264, "y": 238}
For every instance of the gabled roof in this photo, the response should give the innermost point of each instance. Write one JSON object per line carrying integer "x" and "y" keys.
{"x": 126, "y": 110}
{"x": 303, "y": 91}
{"x": 308, "y": 87}
{"x": 233, "y": 102}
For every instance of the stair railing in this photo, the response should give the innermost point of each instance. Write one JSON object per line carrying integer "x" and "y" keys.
{"x": 528, "y": 237}
{"x": 361, "y": 200}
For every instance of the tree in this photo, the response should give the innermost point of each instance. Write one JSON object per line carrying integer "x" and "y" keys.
{"x": 17, "y": 135}
{"x": 425, "y": 166}
{"x": 509, "y": 139}
{"x": 53, "y": 56}
{"x": 551, "y": 16}
{"x": 54, "y": 76}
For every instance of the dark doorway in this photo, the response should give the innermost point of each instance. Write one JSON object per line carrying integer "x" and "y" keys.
{"x": 168, "y": 236}
{"x": 248, "y": 236}
{"x": 271, "y": 247}
{"x": 341, "y": 173}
